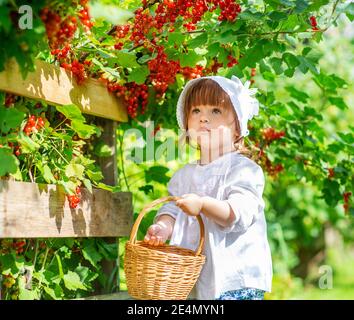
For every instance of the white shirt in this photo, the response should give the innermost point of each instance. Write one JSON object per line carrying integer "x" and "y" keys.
{"x": 237, "y": 256}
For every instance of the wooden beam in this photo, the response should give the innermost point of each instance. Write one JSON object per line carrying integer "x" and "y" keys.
{"x": 30, "y": 210}
{"x": 57, "y": 86}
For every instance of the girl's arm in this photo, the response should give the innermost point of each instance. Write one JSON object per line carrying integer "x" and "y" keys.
{"x": 217, "y": 210}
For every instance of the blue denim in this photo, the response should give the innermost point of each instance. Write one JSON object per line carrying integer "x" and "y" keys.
{"x": 242, "y": 294}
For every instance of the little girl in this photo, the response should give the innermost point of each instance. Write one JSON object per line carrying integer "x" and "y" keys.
{"x": 225, "y": 187}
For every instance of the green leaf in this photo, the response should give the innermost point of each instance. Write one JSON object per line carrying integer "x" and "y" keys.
{"x": 75, "y": 170}
{"x": 27, "y": 144}
{"x": 125, "y": 59}
{"x": 139, "y": 75}
{"x": 349, "y": 11}
{"x": 278, "y": 16}
{"x": 109, "y": 70}
{"x": 189, "y": 59}
{"x": 147, "y": 189}
{"x": 51, "y": 292}
{"x": 88, "y": 185}
{"x": 290, "y": 60}
{"x": 227, "y": 37}
{"x": 301, "y": 6}
{"x": 94, "y": 175}
{"x": 8, "y": 162}
{"x": 339, "y": 102}
{"x": 251, "y": 16}
{"x": 298, "y": 95}
{"x": 346, "y": 137}
{"x": 306, "y": 64}
{"x": 102, "y": 150}
{"x": 331, "y": 192}
{"x": 47, "y": 174}
{"x": 10, "y": 118}
{"x": 86, "y": 275}
{"x": 108, "y": 250}
{"x": 198, "y": 41}
{"x": 83, "y": 130}
{"x": 69, "y": 186}
{"x": 5, "y": 22}
{"x": 72, "y": 281}
{"x": 157, "y": 173}
{"x": 90, "y": 253}
{"x": 176, "y": 38}
{"x": 8, "y": 263}
{"x": 276, "y": 64}
{"x": 71, "y": 111}
{"x": 256, "y": 53}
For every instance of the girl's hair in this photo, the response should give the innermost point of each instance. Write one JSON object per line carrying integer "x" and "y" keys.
{"x": 208, "y": 92}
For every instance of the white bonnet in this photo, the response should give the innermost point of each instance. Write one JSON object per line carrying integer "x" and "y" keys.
{"x": 245, "y": 105}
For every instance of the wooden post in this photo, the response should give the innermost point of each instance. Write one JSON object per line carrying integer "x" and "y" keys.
{"x": 109, "y": 170}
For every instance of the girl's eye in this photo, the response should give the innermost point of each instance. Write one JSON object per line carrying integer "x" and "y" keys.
{"x": 195, "y": 110}
{"x": 215, "y": 110}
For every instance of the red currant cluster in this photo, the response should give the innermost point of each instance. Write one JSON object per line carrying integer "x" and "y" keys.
{"x": 78, "y": 70}
{"x": 313, "y": 23}
{"x": 119, "y": 45}
{"x": 192, "y": 73}
{"x": 162, "y": 71}
{"x": 19, "y": 246}
{"x": 9, "y": 281}
{"x": 16, "y": 149}
{"x": 168, "y": 11}
{"x": 346, "y": 196}
{"x": 10, "y": 99}
{"x": 59, "y": 31}
{"x": 330, "y": 173}
{"x": 143, "y": 23}
{"x": 214, "y": 67}
{"x": 272, "y": 170}
{"x": 33, "y": 124}
{"x": 132, "y": 94}
{"x": 269, "y": 134}
{"x": 61, "y": 53}
{"x": 232, "y": 61}
{"x": 253, "y": 73}
{"x": 229, "y": 9}
{"x": 122, "y": 31}
{"x": 85, "y": 18}
{"x": 75, "y": 199}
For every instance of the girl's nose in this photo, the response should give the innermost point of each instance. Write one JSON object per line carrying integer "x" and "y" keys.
{"x": 203, "y": 119}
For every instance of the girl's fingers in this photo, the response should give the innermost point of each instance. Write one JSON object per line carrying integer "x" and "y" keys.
{"x": 151, "y": 241}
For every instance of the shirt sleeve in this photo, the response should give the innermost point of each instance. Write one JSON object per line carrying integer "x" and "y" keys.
{"x": 170, "y": 208}
{"x": 243, "y": 192}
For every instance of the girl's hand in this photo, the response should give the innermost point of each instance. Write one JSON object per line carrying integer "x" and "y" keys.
{"x": 191, "y": 204}
{"x": 157, "y": 234}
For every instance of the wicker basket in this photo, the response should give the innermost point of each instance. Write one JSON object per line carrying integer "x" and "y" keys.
{"x": 162, "y": 272}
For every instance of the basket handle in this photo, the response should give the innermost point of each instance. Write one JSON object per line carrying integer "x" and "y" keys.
{"x": 154, "y": 203}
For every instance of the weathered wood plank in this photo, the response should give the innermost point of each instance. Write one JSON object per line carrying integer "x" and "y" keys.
{"x": 29, "y": 210}
{"x": 57, "y": 86}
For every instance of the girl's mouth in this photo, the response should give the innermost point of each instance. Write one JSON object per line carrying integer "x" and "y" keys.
{"x": 204, "y": 129}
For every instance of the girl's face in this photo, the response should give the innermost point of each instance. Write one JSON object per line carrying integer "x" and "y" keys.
{"x": 212, "y": 126}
